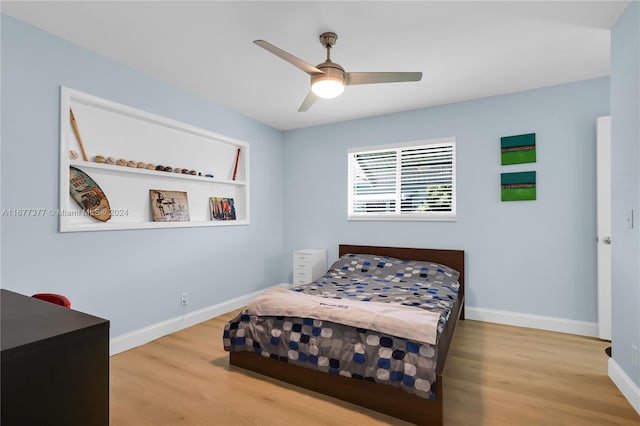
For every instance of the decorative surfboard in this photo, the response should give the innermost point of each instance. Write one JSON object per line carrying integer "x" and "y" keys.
{"x": 86, "y": 192}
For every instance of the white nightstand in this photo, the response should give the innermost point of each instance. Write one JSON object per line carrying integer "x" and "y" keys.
{"x": 308, "y": 265}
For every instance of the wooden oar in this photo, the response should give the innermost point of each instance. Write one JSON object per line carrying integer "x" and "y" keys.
{"x": 77, "y": 132}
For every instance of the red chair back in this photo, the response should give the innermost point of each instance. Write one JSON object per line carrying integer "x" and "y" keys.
{"x": 58, "y": 299}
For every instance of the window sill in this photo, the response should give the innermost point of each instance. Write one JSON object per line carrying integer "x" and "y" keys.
{"x": 402, "y": 218}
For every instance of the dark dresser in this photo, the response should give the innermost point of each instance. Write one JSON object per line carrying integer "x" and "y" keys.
{"x": 54, "y": 364}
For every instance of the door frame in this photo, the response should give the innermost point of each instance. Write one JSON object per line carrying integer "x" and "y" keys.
{"x": 603, "y": 220}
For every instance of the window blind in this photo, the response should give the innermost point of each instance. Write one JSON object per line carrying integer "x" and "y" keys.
{"x": 406, "y": 181}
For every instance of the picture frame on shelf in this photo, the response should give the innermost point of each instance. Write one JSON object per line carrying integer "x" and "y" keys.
{"x": 222, "y": 208}
{"x": 169, "y": 206}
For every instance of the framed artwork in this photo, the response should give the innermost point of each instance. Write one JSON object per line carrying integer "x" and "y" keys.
{"x": 518, "y": 149}
{"x": 518, "y": 186}
{"x": 222, "y": 208}
{"x": 169, "y": 206}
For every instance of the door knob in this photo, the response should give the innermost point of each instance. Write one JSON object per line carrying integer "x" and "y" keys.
{"x": 606, "y": 240}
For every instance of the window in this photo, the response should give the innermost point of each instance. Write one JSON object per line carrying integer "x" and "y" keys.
{"x": 410, "y": 181}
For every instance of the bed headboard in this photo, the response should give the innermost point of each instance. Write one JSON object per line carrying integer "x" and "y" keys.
{"x": 452, "y": 258}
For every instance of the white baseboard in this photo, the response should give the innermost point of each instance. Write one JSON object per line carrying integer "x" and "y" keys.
{"x": 287, "y": 286}
{"x": 561, "y": 325}
{"x": 147, "y": 334}
{"x": 629, "y": 389}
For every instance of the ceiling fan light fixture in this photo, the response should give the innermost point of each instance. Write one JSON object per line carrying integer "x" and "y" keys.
{"x": 330, "y": 83}
{"x": 328, "y": 87}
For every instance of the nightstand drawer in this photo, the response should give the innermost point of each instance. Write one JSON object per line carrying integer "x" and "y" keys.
{"x": 302, "y": 258}
{"x": 302, "y": 265}
{"x": 302, "y": 274}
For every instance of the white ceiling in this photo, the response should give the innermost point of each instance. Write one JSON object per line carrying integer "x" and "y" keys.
{"x": 465, "y": 50}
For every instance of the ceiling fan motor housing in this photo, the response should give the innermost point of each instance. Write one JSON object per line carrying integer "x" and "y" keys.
{"x": 331, "y": 70}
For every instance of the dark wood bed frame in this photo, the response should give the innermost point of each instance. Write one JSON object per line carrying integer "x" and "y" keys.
{"x": 376, "y": 396}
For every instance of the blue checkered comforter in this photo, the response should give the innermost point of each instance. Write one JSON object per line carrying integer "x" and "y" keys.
{"x": 361, "y": 354}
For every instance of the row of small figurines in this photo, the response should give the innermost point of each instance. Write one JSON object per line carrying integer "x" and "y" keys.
{"x": 139, "y": 164}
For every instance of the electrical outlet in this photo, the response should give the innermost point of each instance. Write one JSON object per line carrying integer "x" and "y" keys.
{"x": 634, "y": 356}
{"x": 184, "y": 299}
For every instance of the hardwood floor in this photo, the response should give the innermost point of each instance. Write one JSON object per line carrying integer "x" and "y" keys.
{"x": 495, "y": 375}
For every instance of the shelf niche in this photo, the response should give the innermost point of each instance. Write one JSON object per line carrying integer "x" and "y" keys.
{"x": 114, "y": 130}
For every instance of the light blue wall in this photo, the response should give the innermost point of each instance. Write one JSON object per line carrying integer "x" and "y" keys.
{"x": 133, "y": 278}
{"x": 533, "y": 257}
{"x": 625, "y": 113}
{"x": 530, "y": 257}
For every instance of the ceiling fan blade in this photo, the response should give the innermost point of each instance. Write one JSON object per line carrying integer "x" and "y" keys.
{"x": 380, "y": 77}
{"x": 308, "y": 101}
{"x": 293, "y": 60}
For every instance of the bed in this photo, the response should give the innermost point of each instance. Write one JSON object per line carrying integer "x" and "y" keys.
{"x": 405, "y": 400}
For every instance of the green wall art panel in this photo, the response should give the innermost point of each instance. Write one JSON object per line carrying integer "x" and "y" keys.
{"x": 518, "y": 186}
{"x": 518, "y": 149}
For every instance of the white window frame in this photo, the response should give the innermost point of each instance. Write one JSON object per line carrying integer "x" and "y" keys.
{"x": 398, "y": 215}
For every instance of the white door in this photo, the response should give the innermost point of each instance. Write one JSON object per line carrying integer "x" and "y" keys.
{"x": 603, "y": 189}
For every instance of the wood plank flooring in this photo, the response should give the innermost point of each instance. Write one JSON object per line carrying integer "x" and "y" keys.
{"x": 495, "y": 375}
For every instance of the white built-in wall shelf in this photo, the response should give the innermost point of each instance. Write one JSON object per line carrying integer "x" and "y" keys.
{"x": 114, "y": 130}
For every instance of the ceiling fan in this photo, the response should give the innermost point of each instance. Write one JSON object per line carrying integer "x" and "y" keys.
{"x": 328, "y": 78}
